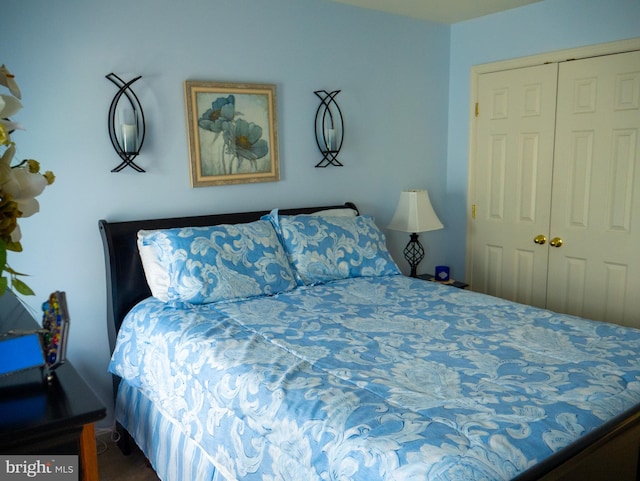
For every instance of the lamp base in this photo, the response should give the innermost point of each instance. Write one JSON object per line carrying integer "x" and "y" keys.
{"x": 414, "y": 253}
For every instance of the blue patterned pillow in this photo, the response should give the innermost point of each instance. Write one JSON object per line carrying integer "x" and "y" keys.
{"x": 198, "y": 265}
{"x": 327, "y": 248}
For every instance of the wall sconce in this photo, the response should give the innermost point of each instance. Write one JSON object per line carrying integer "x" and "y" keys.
{"x": 414, "y": 214}
{"x": 127, "y": 136}
{"x": 329, "y": 128}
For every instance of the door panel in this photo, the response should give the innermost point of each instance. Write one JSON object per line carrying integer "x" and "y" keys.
{"x": 596, "y": 190}
{"x": 512, "y": 187}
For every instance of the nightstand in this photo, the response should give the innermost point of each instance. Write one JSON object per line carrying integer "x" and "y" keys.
{"x": 431, "y": 277}
{"x": 40, "y": 417}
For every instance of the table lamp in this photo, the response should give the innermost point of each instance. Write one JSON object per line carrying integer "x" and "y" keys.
{"x": 414, "y": 214}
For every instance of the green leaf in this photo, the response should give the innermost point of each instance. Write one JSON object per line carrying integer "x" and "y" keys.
{"x": 13, "y": 272}
{"x": 14, "y": 246}
{"x": 21, "y": 287}
{"x": 3, "y": 285}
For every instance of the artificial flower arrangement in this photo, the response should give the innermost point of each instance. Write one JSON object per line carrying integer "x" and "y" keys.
{"x": 20, "y": 184}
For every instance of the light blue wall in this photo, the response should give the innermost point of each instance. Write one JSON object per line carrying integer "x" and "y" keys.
{"x": 393, "y": 73}
{"x": 541, "y": 27}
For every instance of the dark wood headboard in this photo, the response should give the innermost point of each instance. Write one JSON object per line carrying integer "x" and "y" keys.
{"x": 126, "y": 283}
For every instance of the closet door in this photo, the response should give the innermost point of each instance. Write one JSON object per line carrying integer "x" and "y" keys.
{"x": 512, "y": 183}
{"x": 595, "y": 272}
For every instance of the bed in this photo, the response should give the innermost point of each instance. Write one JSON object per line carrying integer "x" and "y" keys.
{"x": 297, "y": 350}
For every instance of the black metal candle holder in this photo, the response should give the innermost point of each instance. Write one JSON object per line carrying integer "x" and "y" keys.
{"x": 122, "y": 147}
{"x": 329, "y": 128}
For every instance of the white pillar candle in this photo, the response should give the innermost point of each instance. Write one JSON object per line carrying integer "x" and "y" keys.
{"x": 129, "y": 141}
{"x": 329, "y": 138}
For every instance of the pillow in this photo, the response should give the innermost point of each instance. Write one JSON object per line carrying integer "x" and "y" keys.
{"x": 274, "y": 216}
{"x": 326, "y": 248}
{"x": 346, "y": 212}
{"x": 156, "y": 275}
{"x": 199, "y": 265}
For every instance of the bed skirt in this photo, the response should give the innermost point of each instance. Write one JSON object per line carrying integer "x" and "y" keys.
{"x": 174, "y": 456}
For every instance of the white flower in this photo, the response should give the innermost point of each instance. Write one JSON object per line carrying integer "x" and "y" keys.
{"x": 7, "y": 79}
{"x": 22, "y": 182}
{"x": 23, "y": 187}
{"x": 9, "y": 105}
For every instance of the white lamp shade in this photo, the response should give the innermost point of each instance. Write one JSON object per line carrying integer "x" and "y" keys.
{"x": 414, "y": 213}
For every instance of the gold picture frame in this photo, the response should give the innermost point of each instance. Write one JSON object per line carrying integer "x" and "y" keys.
{"x": 232, "y": 131}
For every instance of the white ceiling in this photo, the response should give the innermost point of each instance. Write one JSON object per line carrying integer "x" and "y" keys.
{"x": 440, "y": 11}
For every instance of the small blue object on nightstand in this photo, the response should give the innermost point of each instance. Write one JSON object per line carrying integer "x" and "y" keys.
{"x": 442, "y": 273}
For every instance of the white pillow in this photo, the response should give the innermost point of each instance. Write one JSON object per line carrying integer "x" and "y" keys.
{"x": 346, "y": 212}
{"x": 157, "y": 277}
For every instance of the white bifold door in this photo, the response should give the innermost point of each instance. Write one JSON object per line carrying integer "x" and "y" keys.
{"x": 555, "y": 187}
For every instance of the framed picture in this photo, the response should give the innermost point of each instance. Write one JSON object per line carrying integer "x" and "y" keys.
{"x": 232, "y": 131}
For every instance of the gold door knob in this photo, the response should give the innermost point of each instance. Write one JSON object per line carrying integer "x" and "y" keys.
{"x": 555, "y": 242}
{"x": 540, "y": 239}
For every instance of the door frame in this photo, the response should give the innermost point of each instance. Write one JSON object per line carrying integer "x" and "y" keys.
{"x": 557, "y": 56}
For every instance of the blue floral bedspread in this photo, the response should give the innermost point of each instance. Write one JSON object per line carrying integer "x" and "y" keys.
{"x": 381, "y": 378}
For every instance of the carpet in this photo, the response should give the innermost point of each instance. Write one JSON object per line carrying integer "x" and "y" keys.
{"x": 115, "y": 466}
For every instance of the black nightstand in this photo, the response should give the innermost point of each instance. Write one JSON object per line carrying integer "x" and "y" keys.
{"x": 39, "y": 417}
{"x": 431, "y": 277}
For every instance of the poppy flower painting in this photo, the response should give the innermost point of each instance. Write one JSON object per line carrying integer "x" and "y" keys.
{"x": 232, "y": 133}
